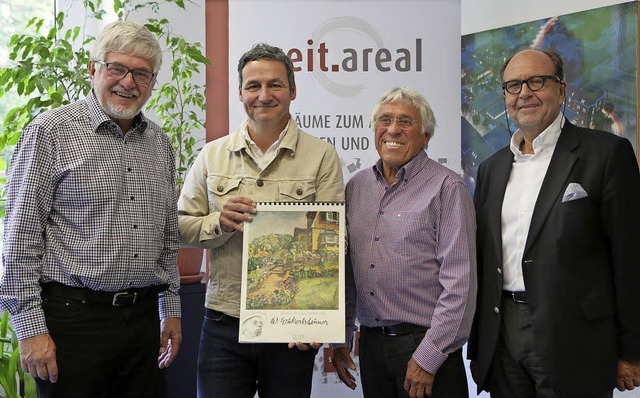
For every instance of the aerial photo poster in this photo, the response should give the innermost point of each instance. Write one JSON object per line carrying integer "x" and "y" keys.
{"x": 293, "y": 274}
{"x": 599, "y": 50}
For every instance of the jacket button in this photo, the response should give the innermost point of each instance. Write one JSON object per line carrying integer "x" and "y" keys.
{"x": 299, "y": 191}
{"x": 500, "y": 271}
{"x": 260, "y": 183}
{"x": 496, "y": 310}
{"x": 220, "y": 188}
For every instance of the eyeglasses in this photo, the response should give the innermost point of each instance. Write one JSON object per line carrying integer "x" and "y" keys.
{"x": 535, "y": 83}
{"x": 403, "y": 121}
{"x": 118, "y": 71}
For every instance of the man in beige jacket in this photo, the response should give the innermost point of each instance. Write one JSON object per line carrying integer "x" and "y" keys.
{"x": 268, "y": 158}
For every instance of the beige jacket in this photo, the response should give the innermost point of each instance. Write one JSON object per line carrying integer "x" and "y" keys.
{"x": 306, "y": 169}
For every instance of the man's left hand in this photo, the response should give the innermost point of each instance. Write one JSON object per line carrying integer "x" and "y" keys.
{"x": 628, "y": 375}
{"x": 418, "y": 382}
{"x": 170, "y": 340}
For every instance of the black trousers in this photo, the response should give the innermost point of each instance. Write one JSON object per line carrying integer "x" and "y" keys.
{"x": 104, "y": 351}
{"x": 517, "y": 370}
{"x": 383, "y": 366}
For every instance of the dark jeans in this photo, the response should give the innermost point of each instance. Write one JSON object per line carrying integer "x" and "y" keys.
{"x": 383, "y": 367}
{"x": 104, "y": 351}
{"x": 228, "y": 369}
{"x": 517, "y": 370}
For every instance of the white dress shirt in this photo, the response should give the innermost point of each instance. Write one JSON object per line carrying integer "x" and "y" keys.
{"x": 520, "y": 197}
{"x": 263, "y": 159}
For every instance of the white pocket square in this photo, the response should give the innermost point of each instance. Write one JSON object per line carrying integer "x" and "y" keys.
{"x": 574, "y": 191}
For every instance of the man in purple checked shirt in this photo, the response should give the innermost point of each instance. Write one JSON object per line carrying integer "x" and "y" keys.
{"x": 411, "y": 263}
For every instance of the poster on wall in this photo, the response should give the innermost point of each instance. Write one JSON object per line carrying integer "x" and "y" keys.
{"x": 293, "y": 274}
{"x": 598, "y": 48}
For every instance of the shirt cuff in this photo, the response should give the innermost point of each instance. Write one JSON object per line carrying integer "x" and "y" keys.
{"x": 29, "y": 323}
{"x": 169, "y": 305}
{"x": 429, "y": 357}
{"x": 211, "y": 228}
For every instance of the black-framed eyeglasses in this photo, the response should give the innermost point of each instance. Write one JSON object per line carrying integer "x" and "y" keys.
{"x": 535, "y": 83}
{"x": 119, "y": 71}
{"x": 403, "y": 121}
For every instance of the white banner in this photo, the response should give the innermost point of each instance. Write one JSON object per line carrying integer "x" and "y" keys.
{"x": 346, "y": 54}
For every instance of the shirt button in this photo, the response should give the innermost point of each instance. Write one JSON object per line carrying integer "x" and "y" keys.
{"x": 220, "y": 188}
{"x": 381, "y": 212}
{"x": 299, "y": 191}
{"x": 135, "y": 255}
{"x": 135, "y": 226}
{"x": 376, "y": 238}
{"x": 372, "y": 265}
{"x": 371, "y": 293}
{"x": 260, "y": 183}
{"x": 496, "y": 310}
{"x": 129, "y": 169}
{"x": 131, "y": 197}
{"x": 377, "y": 319}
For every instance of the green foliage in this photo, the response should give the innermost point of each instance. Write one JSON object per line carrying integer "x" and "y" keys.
{"x": 11, "y": 372}
{"x": 48, "y": 68}
{"x": 269, "y": 248}
{"x": 178, "y": 102}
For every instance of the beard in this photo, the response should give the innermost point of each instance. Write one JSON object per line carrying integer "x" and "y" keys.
{"x": 122, "y": 112}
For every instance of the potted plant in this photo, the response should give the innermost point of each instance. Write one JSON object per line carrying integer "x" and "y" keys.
{"x": 49, "y": 68}
{"x": 14, "y": 382}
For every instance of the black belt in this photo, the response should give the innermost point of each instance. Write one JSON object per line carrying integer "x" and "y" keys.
{"x": 400, "y": 329}
{"x": 220, "y": 316}
{"x": 518, "y": 297}
{"x": 116, "y": 299}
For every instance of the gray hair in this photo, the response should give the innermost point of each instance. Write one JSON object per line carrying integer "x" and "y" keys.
{"x": 411, "y": 97}
{"x": 265, "y": 51}
{"x": 128, "y": 37}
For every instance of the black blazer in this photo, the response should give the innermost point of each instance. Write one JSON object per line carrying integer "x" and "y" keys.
{"x": 581, "y": 262}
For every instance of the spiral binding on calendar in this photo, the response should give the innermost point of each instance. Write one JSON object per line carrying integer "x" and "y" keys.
{"x": 302, "y": 203}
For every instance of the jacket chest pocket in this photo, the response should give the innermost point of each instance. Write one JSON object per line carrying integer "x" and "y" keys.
{"x": 220, "y": 189}
{"x": 297, "y": 191}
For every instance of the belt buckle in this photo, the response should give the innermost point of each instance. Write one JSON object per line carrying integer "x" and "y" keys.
{"x": 517, "y": 300}
{"x": 116, "y": 298}
{"x": 389, "y": 331}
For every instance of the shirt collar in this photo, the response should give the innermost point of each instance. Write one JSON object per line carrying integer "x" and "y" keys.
{"x": 250, "y": 143}
{"x": 406, "y": 172}
{"x": 543, "y": 143}
{"x": 288, "y": 137}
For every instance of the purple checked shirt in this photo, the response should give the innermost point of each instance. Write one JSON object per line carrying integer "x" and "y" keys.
{"x": 412, "y": 255}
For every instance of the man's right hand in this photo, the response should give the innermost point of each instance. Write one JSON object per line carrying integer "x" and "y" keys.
{"x": 236, "y": 211}
{"x": 342, "y": 362}
{"x": 38, "y": 357}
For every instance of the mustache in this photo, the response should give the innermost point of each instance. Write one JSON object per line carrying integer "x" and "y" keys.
{"x": 133, "y": 91}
